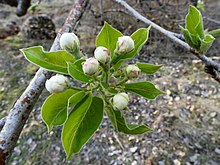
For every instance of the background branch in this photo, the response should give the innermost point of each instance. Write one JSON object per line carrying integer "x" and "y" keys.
{"x": 22, "y": 5}
{"x": 20, "y": 112}
{"x": 2, "y": 122}
{"x": 174, "y": 37}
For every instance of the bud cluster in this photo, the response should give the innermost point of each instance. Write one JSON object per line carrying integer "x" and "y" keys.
{"x": 102, "y": 56}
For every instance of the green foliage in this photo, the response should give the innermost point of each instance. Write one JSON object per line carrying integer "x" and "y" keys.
{"x": 121, "y": 125}
{"x": 206, "y": 43}
{"x": 81, "y": 124}
{"x": 215, "y": 33}
{"x": 145, "y": 89}
{"x": 194, "y": 22}
{"x": 75, "y": 99}
{"x": 76, "y": 72}
{"x": 54, "y": 61}
{"x": 54, "y": 109}
{"x": 148, "y": 68}
{"x": 80, "y": 111}
{"x": 194, "y": 32}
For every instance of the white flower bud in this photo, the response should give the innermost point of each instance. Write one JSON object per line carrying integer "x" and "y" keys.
{"x": 132, "y": 71}
{"x": 120, "y": 101}
{"x": 124, "y": 45}
{"x": 56, "y": 84}
{"x": 69, "y": 42}
{"x": 91, "y": 66}
{"x": 102, "y": 54}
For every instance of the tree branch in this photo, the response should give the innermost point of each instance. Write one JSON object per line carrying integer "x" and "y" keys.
{"x": 20, "y": 112}
{"x": 174, "y": 37}
{"x": 22, "y": 5}
{"x": 2, "y": 122}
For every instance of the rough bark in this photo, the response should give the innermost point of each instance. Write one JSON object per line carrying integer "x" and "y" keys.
{"x": 19, "y": 114}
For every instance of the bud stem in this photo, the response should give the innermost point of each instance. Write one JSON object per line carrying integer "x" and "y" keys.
{"x": 122, "y": 81}
{"x": 77, "y": 55}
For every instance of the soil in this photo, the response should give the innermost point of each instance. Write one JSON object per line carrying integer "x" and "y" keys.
{"x": 186, "y": 120}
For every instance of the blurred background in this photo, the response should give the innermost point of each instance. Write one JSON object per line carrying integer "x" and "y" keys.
{"x": 186, "y": 120}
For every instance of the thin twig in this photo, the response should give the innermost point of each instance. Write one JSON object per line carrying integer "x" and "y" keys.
{"x": 101, "y": 11}
{"x": 212, "y": 20}
{"x": 24, "y": 105}
{"x": 207, "y": 61}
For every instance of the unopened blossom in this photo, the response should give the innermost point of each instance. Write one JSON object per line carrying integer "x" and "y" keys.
{"x": 69, "y": 42}
{"x": 56, "y": 84}
{"x": 120, "y": 101}
{"x": 102, "y": 54}
{"x": 125, "y": 44}
{"x": 90, "y": 66}
{"x": 132, "y": 71}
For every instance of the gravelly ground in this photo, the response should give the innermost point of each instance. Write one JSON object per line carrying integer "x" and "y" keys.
{"x": 185, "y": 121}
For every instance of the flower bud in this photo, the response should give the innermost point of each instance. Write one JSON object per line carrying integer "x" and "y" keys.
{"x": 69, "y": 42}
{"x": 120, "y": 101}
{"x": 132, "y": 71}
{"x": 124, "y": 45}
{"x": 91, "y": 66}
{"x": 56, "y": 84}
{"x": 102, "y": 54}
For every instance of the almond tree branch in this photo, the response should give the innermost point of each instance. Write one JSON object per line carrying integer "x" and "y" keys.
{"x": 174, "y": 37}
{"x": 2, "y": 122}
{"x": 19, "y": 114}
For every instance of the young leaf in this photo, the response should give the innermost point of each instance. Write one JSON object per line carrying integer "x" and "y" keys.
{"x": 54, "y": 61}
{"x": 121, "y": 125}
{"x": 148, "y": 68}
{"x": 108, "y": 37}
{"x": 145, "y": 89}
{"x": 140, "y": 38}
{"x": 54, "y": 109}
{"x": 76, "y": 72}
{"x": 206, "y": 43}
{"x": 194, "y": 22}
{"x": 192, "y": 40}
{"x": 81, "y": 124}
{"x": 75, "y": 99}
{"x": 215, "y": 33}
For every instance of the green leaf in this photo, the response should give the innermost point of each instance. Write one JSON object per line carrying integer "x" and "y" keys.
{"x": 215, "y": 33}
{"x": 76, "y": 72}
{"x": 140, "y": 38}
{"x": 54, "y": 109}
{"x": 194, "y": 22}
{"x": 148, "y": 68}
{"x": 82, "y": 123}
{"x": 192, "y": 40}
{"x": 121, "y": 125}
{"x": 54, "y": 61}
{"x": 145, "y": 89}
{"x": 206, "y": 43}
{"x": 75, "y": 99}
{"x": 108, "y": 37}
